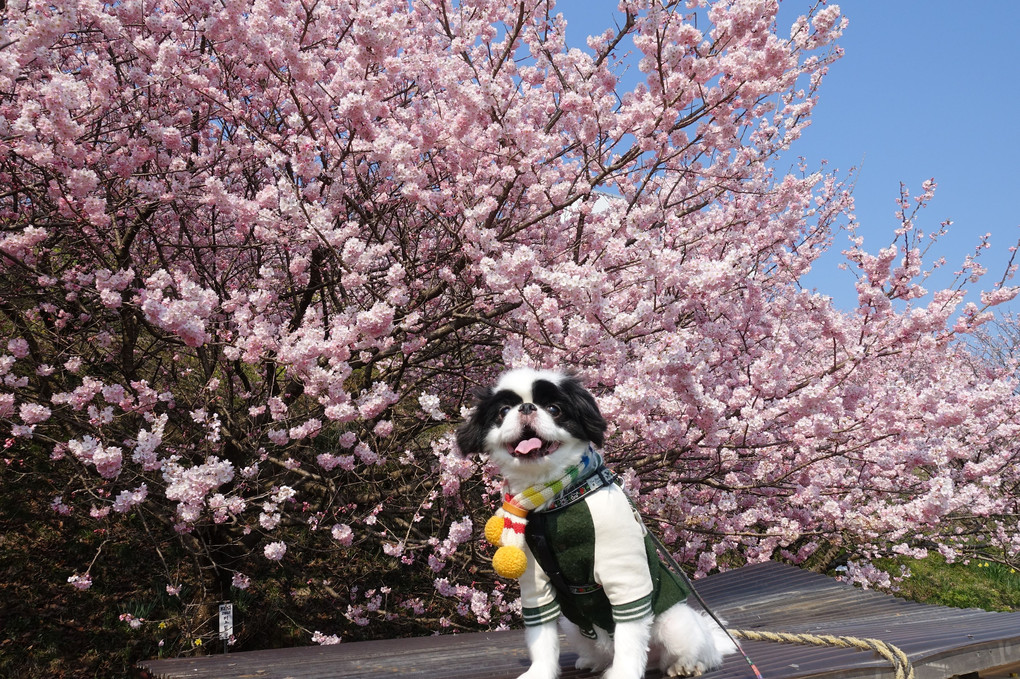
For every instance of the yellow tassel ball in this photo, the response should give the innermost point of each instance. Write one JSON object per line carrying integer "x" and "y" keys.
{"x": 494, "y": 530}
{"x": 510, "y": 562}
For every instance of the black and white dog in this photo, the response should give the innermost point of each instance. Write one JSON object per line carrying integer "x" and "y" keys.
{"x": 590, "y": 563}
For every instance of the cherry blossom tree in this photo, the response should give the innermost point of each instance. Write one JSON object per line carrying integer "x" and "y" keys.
{"x": 256, "y": 256}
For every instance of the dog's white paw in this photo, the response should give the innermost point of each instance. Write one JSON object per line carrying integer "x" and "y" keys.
{"x": 681, "y": 669}
{"x": 590, "y": 663}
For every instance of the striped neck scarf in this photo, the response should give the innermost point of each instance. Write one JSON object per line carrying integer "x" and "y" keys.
{"x": 506, "y": 528}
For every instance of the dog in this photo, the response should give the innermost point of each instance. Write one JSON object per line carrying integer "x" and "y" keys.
{"x": 574, "y": 541}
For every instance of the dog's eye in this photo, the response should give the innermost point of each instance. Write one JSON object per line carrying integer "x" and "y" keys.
{"x": 503, "y": 411}
{"x": 554, "y": 410}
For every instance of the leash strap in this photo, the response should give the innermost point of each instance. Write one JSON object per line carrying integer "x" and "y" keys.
{"x": 675, "y": 567}
{"x": 600, "y": 477}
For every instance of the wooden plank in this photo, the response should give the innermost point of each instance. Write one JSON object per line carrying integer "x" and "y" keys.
{"x": 941, "y": 642}
{"x": 488, "y": 654}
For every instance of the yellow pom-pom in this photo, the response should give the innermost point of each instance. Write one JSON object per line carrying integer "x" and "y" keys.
{"x": 494, "y": 530}
{"x": 510, "y": 562}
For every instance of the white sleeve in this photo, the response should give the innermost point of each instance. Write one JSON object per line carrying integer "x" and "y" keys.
{"x": 538, "y": 598}
{"x": 621, "y": 562}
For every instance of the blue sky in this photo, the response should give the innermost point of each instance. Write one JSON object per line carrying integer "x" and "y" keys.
{"x": 925, "y": 89}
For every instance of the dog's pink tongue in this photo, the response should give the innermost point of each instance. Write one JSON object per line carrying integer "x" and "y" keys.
{"x": 525, "y": 447}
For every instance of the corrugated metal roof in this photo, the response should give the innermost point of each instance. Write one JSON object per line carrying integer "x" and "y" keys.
{"x": 940, "y": 642}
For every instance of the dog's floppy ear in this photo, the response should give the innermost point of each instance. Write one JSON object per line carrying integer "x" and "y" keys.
{"x": 471, "y": 434}
{"x": 586, "y": 411}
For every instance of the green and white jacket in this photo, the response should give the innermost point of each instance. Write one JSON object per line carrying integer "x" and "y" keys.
{"x": 598, "y": 566}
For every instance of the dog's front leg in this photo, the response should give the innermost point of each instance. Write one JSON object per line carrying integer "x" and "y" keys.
{"x": 630, "y": 649}
{"x": 544, "y": 650}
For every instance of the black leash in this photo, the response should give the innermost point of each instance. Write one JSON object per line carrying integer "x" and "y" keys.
{"x": 675, "y": 567}
{"x": 602, "y": 476}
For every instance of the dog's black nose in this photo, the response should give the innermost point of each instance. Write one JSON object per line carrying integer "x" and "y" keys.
{"x": 527, "y": 408}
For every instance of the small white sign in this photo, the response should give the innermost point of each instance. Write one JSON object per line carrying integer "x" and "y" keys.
{"x": 226, "y": 621}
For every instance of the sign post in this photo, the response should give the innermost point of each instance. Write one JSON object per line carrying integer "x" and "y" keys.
{"x": 226, "y": 624}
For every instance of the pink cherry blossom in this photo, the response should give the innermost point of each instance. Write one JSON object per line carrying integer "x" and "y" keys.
{"x": 430, "y": 403}
{"x": 257, "y": 262}
{"x": 18, "y": 347}
{"x": 328, "y": 461}
{"x": 325, "y": 639}
{"x": 6, "y": 405}
{"x": 274, "y": 551}
{"x": 190, "y": 485}
{"x": 127, "y": 499}
{"x": 107, "y": 461}
{"x": 81, "y": 582}
{"x": 60, "y": 507}
{"x": 32, "y": 413}
{"x": 343, "y": 534}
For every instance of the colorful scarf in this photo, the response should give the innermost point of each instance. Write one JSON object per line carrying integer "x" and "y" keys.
{"x": 506, "y": 528}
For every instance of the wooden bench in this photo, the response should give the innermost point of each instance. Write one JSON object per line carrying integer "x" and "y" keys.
{"x": 939, "y": 642}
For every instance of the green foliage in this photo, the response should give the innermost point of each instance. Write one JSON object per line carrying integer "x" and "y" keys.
{"x": 980, "y": 583}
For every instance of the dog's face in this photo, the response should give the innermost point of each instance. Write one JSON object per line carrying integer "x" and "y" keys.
{"x": 533, "y": 424}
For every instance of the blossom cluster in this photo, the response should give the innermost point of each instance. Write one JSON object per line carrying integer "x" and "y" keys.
{"x": 254, "y": 265}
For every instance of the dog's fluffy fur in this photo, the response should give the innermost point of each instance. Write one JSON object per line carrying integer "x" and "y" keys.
{"x": 553, "y": 407}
